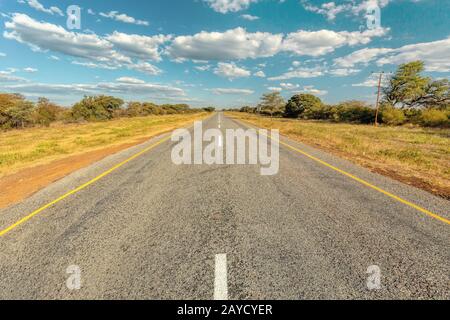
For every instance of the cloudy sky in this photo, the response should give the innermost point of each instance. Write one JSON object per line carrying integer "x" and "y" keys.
{"x": 215, "y": 52}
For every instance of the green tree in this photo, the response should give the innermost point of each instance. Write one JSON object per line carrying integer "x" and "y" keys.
{"x": 354, "y": 111}
{"x": 407, "y": 88}
{"x": 46, "y": 112}
{"x": 20, "y": 113}
{"x": 95, "y": 108}
{"x": 392, "y": 116}
{"x": 272, "y": 103}
{"x": 300, "y": 104}
{"x": 15, "y": 111}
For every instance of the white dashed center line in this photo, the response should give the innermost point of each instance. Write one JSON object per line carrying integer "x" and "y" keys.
{"x": 221, "y": 279}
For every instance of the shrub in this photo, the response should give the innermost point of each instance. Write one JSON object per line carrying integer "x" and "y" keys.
{"x": 248, "y": 109}
{"x": 15, "y": 111}
{"x": 46, "y": 112}
{"x": 355, "y": 112}
{"x": 435, "y": 118}
{"x": 302, "y": 103}
{"x": 96, "y": 108}
{"x": 392, "y": 116}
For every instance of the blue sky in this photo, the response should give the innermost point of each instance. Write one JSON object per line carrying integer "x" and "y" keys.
{"x": 225, "y": 53}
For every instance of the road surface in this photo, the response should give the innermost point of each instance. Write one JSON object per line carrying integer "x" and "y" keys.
{"x": 154, "y": 230}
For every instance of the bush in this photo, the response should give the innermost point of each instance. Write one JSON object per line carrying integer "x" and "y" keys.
{"x": 96, "y": 108}
{"x": 302, "y": 103}
{"x": 392, "y": 116}
{"x": 354, "y": 112}
{"x": 248, "y": 109}
{"x": 46, "y": 112}
{"x": 15, "y": 111}
{"x": 435, "y": 118}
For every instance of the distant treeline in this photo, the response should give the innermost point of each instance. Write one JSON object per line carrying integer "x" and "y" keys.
{"x": 408, "y": 97}
{"x": 17, "y": 112}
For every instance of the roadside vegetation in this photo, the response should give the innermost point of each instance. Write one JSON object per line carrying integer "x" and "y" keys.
{"x": 39, "y": 145}
{"x": 36, "y": 133}
{"x": 412, "y": 144}
{"x": 18, "y": 113}
{"x": 408, "y": 98}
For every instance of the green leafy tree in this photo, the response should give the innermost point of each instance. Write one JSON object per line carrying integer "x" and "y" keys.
{"x": 407, "y": 88}
{"x": 302, "y": 104}
{"x": 15, "y": 111}
{"x": 354, "y": 111}
{"x": 96, "y": 108}
{"x": 272, "y": 103}
{"x": 46, "y": 112}
{"x": 392, "y": 116}
{"x": 20, "y": 114}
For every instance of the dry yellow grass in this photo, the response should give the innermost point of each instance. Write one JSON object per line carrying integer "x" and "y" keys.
{"x": 418, "y": 156}
{"x": 26, "y": 148}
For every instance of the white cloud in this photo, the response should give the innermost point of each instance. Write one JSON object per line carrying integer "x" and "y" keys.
{"x": 2, "y": 54}
{"x": 143, "y": 47}
{"x": 203, "y": 68}
{"x": 329, "y": 9}
{"x": 317, "y": 43}
{"x": 220, "y": 91}
{"x": 225, "y": 6}
{"x": 278, "y": 89}
{"x": 91, "y": 12}
{"x": 231, "y": 71}
{"x": 371, "y": 82}
{"x": 249, "y": 17}
{"x": 296, "y": 63}
{"x": 93, "y": 65}
{"x": 42, "y": 36}
{"x": 289, "y": 86}
{"x": 363, "y": 56}
{"x": 145, "y": 67}
{"x": 343, "y": 72}
{"x": 5, "y": 76}
{"x": 30, "y": 70}
{"x": 99, "y": 52}
{"x": 435, "y": 55}
{"x": 231, "y": 44}
{"x": 260, "y": 74}
{"x": 130, "y": 80}
{"x": 300, "y": 73}
{"x": 312, "y": 90}
{"x": 122, "y": 17}
{"x": 35, "y": 4}
{"x": 115, "y": 88}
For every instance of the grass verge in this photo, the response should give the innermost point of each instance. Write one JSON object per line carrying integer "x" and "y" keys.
{"x": 416, "y": 156}
{"x": 30, "y": 159}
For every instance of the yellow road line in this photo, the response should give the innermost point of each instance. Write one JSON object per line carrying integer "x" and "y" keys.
{"x": 104, "y": 174}
{"x": 393, "y": 196}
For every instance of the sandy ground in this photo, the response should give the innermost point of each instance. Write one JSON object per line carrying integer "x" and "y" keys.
{"x": 20, "y": 185}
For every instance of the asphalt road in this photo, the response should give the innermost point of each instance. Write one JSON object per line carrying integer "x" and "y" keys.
{"x": 154, "y": 230}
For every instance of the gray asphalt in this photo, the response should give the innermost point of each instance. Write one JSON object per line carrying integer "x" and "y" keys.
{"x": 151, "y": 230}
